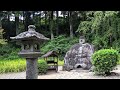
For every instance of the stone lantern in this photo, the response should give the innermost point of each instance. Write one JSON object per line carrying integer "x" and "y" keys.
{"x": 79, "y": 56}
{"x": 30, "y": 49}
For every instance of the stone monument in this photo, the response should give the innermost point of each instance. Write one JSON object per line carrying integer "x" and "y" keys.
{"x": 79, "y": 56}
{"x": 30, "y": 44}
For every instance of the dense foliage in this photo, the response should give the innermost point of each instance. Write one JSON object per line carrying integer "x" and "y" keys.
{"x": 9, "y": 52}
{"x": 102, "y": 29}
{"x": 61, "y": 44}
{"x": 104, "y": 61}
{"x": 42, "y": 67}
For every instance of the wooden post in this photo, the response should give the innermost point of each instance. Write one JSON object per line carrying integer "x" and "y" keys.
{"x": 57, "y": 64}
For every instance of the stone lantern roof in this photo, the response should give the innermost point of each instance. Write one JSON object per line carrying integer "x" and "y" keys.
{"x": 30, "y": 34}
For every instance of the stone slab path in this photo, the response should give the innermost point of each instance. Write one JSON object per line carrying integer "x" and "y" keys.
{"x": 73, "y": 74}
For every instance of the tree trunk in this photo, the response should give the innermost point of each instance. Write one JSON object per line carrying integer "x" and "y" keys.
{"x": 40, "y": 20}
{"x": 64, "y": 18}
{"x": 71, "y": 24}
{"x": 68, "y": 16}
{"x": 110, "y": 40}
{"x": 45, "y": 20}
{"x": 51, "y": 24}
{"x": 1, "y": 35}
{"x": 27, "y": 19}
{"x": 17, "y": 22}
{"x": 57, "y": 27}
{"x": 64, "y": 12}
{"x": 1, "y": 19}
{"x": 33, "y": 20}
{"x": 9, "y": 25}
{"x": 23, "y": 18}
{"x": 0, "y": 23}
{"x": 49, "y": 19}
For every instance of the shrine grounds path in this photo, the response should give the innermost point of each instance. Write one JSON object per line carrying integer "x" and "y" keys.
{"x": 73, "y": 74}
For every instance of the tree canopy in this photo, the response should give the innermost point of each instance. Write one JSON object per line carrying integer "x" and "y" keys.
{"x": 101, "y": 28}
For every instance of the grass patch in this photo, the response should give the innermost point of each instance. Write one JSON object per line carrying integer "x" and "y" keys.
{"x": 12, "y": 66}
{"x": 17, "y": 65}
{"x": 60, "y": 63}
{"x": 119, "y": 60}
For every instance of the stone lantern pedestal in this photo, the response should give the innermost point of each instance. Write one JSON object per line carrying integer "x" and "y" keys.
{"x": 30, "y": 49}
{"x": 31, "y": 69}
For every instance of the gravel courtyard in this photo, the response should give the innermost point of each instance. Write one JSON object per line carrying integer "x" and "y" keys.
{"x": 73, "y": 74}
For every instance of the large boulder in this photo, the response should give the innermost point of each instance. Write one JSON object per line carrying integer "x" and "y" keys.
{"x": 79, "y": 56}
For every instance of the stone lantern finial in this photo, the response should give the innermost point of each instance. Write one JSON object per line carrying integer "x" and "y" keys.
{"x": 31, "y": 28}
{"x": 82, "y": 39}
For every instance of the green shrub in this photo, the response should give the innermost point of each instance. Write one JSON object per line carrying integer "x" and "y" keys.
{"x": 8, "y": 52}
{"x": 104, "y": 61}
{"x": 42, "y": 67}
{"x": 60, "y": 44}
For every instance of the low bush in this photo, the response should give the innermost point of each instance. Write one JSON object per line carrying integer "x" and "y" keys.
{"x": 104, "y": 61}
{"x": 42, "y": 67}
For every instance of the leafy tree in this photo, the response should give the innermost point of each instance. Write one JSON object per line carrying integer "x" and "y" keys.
{"x": 2, "y": 41}
{"x": 102, "y": 29}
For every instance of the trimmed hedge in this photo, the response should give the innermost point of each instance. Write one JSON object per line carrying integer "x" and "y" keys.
{"x": 104, "y": 61}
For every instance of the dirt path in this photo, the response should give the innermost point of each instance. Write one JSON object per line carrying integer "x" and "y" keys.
{"x": 74, "y": 74}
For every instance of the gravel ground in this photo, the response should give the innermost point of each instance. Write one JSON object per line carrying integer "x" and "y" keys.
{"x": 73, "y": 74}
